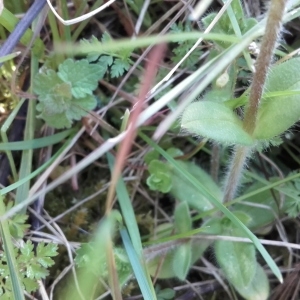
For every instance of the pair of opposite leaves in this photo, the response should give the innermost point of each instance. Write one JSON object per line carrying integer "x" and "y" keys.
{"x": 279, "y": 110}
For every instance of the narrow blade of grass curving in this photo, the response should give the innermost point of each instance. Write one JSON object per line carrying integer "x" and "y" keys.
{"x": 127, "y": 209}
{"x": 136, "y": 266}
{"x": 141, "y": 42}
{"x": 3, "y": 132}
{"x": 27, "y": 155}
{"x": 237, "y": 31}
{"x": 17, "y": 289}
{"x": 36, "y": 143}
{"x": 9, "y": 56}
{"x": 218, "y": 205}
{"x": 8, "y": 20}
{"x": 132, "y": 227}
{"x": 15, "y": 185}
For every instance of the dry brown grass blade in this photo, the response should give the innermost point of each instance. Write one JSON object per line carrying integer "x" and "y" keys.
{"x": 150, "y": 72}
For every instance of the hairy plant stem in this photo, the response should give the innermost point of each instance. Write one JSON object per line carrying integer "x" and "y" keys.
{"x": 235, "y": 172}
{"x": 268, "y": 45}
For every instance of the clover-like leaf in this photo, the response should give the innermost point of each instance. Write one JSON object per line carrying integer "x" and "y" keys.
{"x": 82, "y": 76}
{"x": 159, "y": 182}
{"x": 160, "y": 178}
{"x": 151, "y": 155}
{"x": 44, "y": 82}
{"x": 67, "y": 95}
{"x": 215, "y": 121}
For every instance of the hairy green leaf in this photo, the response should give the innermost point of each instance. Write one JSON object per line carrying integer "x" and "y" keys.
{"x": 183, "y": 221}
{"x": 215, "y": 121}
{"x": 277, "y": 114}
{"x": 182, "y": 260}
{"x": 183, "y": 190}
{"x": 165, "y": 266}
{"x": 264, "y": 208}
{"x": 259, "y": 288}
{"x": 236, "y": 259}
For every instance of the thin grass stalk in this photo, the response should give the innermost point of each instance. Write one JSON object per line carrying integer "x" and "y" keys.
{"x": 264, "y": 59}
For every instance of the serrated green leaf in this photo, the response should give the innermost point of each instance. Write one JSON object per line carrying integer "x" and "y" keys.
{"x": 182, "y": 260}
{"x": 17, "y": 226}
{"x": 119, "y": 67}
{"x": 36, "y": 271}
{"x": 236, "y": 259}
{"x": 277, "y": 114}
{"x": 57, "y": 100}
{"x": 82, "y": 76}
{"x": 30, "y": 284}
{"x": 105, "y": 37}
{"x": 58, "y": 121}
{"x": 88, "y": 102}
{"x": 27, "y": 249}
{"x": 46, "y": 250}
{"x": 183, "y": 221}
{"x": 106, "y": 61}
{"x": 44, "y": 82}
{"x": 215, "y": 121}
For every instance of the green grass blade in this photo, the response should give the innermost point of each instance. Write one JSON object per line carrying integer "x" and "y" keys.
{"x": 136, "y": 266}
{"x": 33, "y": 174}
{"x": 218, "y": 205}
{"x": 9, "y": 56}
{"x": 3, "y": 130}
{"x": 127, "y": 210}
{"x": 27, "y": 155}
{"x": 36, "y": 143}
{"x": 9, "y": 21}
{"x": 115, "y": 45}
{"x": 131, "y": 224}
{"x": 17, "y": 289}
{"x": 238, "y": 33}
